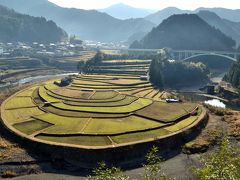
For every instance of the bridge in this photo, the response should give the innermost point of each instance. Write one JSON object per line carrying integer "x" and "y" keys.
{"x": 183, "y": 54}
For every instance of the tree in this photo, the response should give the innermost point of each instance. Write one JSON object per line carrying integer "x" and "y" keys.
{"x": 152, "y": 169}
{"x": 105, "y": 173}
{"x": 169, "y": 73}
{"x": 233, "y": 76}
{"x": 81, "y": 66}
{"x": 222, "y": 164}
{"x": 155, "y": 72}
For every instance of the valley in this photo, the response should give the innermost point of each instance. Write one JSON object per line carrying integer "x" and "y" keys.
{"x": 100, "y": 91}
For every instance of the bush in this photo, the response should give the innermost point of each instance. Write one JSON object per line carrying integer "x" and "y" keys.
{"x": 9, "y": 174}
{"x": 222, "y": 164}
{"x": 152, "y": 169}
{"x": 216, "y": 110}
{"x": 105, "y": 173}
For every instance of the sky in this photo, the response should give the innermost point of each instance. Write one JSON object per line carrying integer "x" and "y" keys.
{"x": 149, "y": 4}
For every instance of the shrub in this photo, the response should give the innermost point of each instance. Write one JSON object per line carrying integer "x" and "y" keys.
{"x": 216, "y": 110}
{"x": 152, "y": 169}
{"x": 105, "y": 173}
{"x": 9, "y": 174}
{"x": 222, "y": 164}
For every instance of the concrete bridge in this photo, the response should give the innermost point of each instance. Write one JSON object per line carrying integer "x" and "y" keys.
{"x": 185, "y": 54}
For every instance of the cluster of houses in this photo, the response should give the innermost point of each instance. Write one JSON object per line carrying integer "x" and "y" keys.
{"x": 54, "y": 49}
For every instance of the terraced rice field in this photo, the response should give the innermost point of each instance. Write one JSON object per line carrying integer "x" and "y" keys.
{"x": 84, "y": 56}
{"x": 127, "y": 67}
{"x": 96, "y": 111}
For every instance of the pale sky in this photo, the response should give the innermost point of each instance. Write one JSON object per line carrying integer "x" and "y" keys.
{"x": 149, "y": 4}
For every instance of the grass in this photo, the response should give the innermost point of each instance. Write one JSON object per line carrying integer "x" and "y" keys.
{"x": 107, "y": 76}
{"x": 22, "y": 114}
{"x": 51, "y": 86}
{"x": 63, "y": 125}
{"x": 103, "y": 95}
{"x": 126, "y": 138}
{"x": 182, "y": 124}
{"x": 118, "y": 97}
{"x": 189, "y": 107}
{"x": 19, "y": 102}
{"x": 70, "y": 93}
{"x": 32, "y": 126}
{"x": 127, "y": 61}
{"x": 136, "y": 105}
{"x": 143, "y": 93}
{"x": 137, "y": 90}
{"x": 85, "y": 56}
{"x": 68, "y": 125}
{"x": 119, "y": 125}
{"x": 126, "y": 101}
{"x": 69, "y": 113}
{"x": 27, "y": 92}
{"x": 114, "y": 82}
{"x": 90, "y": 82}
{"x": 78, "y": 140}
{"x": 158, "y": 96}
{"x": 127, "y": 81}
{"x": 165, "y": 112}
{"x": 152, "y": 94}
{"x": 43, "y": 94}
{"x": 117, "y": 87}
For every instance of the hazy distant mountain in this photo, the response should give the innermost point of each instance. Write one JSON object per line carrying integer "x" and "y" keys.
{"x": 187, "y": 32}
{"x": 136, "y": 37}
{"x": 159, "y": 16}
{"x": 231, "y": 29}
{"x": 88, "y": 24}
{"x": 123, "y": 11}
{"x": 229, "y": 14}
{"x": 24, "y": 28}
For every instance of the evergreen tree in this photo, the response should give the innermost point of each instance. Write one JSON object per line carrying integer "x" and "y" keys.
{"x": 233, "y": 76}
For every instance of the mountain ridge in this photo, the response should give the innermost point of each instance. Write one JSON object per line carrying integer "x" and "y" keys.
{"x": 15, "y": 27}
{"x": 230, "y": 28}
{"x": 88, "y": 24}
{"x": 123, "y": 11}
{"x": 188, "y": 28}
{"x": 229, "y": 14}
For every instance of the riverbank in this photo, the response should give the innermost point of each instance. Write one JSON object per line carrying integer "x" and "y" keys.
{"x": 33, "y": 77}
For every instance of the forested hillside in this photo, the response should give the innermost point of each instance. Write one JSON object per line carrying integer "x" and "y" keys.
{"x": 87, "y": 24}
{"x": 18, "y": 27}
{"x": 185, "y": 32}
{"x": 233, "y": 76}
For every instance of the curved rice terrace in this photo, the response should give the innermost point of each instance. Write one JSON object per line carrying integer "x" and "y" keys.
{"x": 96, "y": 111}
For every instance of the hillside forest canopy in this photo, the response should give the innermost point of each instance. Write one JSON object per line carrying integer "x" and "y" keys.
{"x": 24, "y": 28}
{"x": 185, "y": 31}
{"x": 164, "y": 72}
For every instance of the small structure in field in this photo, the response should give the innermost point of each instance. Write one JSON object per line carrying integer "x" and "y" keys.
{"x": 172, "y": 100}
{"x": 64, "y": 81}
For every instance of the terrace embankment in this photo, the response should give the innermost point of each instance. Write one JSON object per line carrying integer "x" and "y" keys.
{"x": 112, "y": 118}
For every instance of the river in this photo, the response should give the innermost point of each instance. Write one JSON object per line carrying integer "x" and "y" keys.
{"x": 35, "y": 79}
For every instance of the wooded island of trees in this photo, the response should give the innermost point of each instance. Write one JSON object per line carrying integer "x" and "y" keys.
{"x": 169, "y": 73}
{"x": 233, "y": 76}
